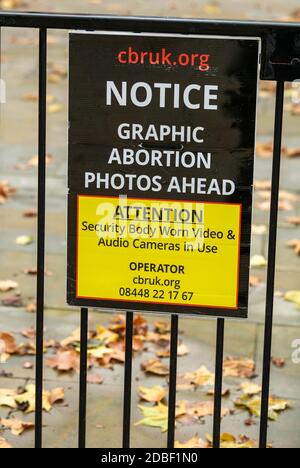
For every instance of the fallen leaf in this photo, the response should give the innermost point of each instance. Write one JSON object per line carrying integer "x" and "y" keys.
{"x": 264, "y": 150}
{"x": 28, "y": 365}
{"x": 195, "y": 442}
{"x": 228, "y": 441}
{"x": 155, "y": 366}
{"x": 293, "y": 153}
{"x": 162, "y": 327}
{"x": 34, "y": 162}
{"x": 250, "y": 388}
{"x": 200, "y": 409}
{"x": 56, "y": 395}
{"x": 31, "y": 308}
{"x": 294, "y": 220}
{"x": 8, "y": 343}
{"x": 258, "y": 261}
{"x": 24, "y": 240}
{"x": 280, "y": 363}
{"x": 16, "y": 426}
{"x": 263, "y": 185}
{"x": 239, "y": 367}
{"x": 259, "y": 230}
{"x": 199, "y": 378}
{"x": 225, "y": 393}
{"x": 157, "y": 416}
{"x": 250, "y": 422}
{"x": 13, "y": 301}
{"x": 153, "y": 394}
{"x": 293, "y": 296}
{"x": 7, "y": 398}
{"x": 5, "y": 191}
{"x": 55, "y": 108}
{"x": 74, "y": 338}
{"x": 254, "y": 281}
{"x": 29, "y": 333}
{"x": 4, "y": 444}
{"x": 182, "y": 350}
{"x": 295, "y": 245}
{"x": 253, "y": 405}
{"x": 26, "y": 400}
{"x": 65, "y": 361}
{"x": 6, "y": 286}
{"x": 94, "y": 379}
{"x": 31, "y": 213}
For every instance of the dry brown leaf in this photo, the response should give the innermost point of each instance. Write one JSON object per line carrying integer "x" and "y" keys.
{"x": 295, "y": 245}
{"x": 28, "y": 365}
{"x": 294, "y": 220}
{"x": 195, "y": 442}
{"x": 250, "y": 388}
{"x": 280, "y": 363}
{"x": 293, "y": 153}
{"x": 182, "y": 350}
{"x": 34, "y": 162}
{"x": 253, "y": 405}
{"x": 9, "y": 344}
{"x": 239, "y": 367}
{"x": 199, "y": 378}
{"x": 74, "y": 338}
{"x": 200, "y": 409}
{"x": 94, "y": 379}
{"x": 29, "y": 333}
{"x": 26, "y": 400}
{"x": 30, "y": 213}
{"x": 13, "y": 301}
{"x": 264, "y": 150}
{"x": 4, "y": 444}
{"x": 65, "y": 361}
{"x": 31, "y": 308}
{"x": 155, "y": 366}
{"x": 259, "y": 230}
{"x": 7, "y": 398}
{"x": 55, "y": 396}
{"x": 153, "y": 394}
{"x": 5, "y": 191}
{"x": 55, "y": 108}
{"x": 162, "y": 327}
{"x": 263, "y": 185}
{"x": 254, "y": 281}
{"x": 16, "y": 426}
{"x": 8, "y": 285}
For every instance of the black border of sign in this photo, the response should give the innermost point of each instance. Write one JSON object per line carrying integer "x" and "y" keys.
{"x": 113, "y": 305}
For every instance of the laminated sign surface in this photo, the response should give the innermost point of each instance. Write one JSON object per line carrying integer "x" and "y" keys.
{"x": 161, "y": 157}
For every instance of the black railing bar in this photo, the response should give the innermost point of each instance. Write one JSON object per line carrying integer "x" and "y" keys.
{"x": 151, "y": 24}
{"x": 84, "y": 320}
{"x": 41, "y": 235}
{"x": 271, "y": 263}
{"x": 172, "y": 381}
{"x": 128, "y": 380}
{"x": 218, "y": 383}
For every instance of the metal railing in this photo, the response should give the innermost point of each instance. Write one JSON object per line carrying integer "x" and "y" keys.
{"x": 280, "y": 61}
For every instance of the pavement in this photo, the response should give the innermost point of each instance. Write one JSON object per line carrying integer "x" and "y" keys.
{"x": 18, "y": 143}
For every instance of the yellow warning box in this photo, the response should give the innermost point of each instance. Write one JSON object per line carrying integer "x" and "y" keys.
{"x": 158, "y": 252}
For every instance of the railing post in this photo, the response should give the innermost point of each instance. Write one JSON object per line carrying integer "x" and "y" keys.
{"x": 271, "y": 264}
{"x": 42, "y": 109}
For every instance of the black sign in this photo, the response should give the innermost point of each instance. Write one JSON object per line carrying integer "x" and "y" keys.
{"x": 161, "y": 156}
